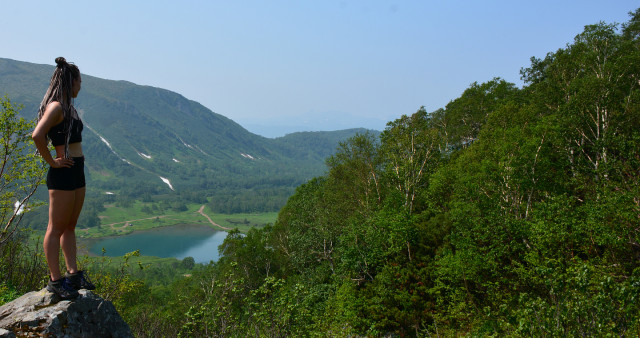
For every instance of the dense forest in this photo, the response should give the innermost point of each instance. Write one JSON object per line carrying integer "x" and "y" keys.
{"x": 510, "y": 212}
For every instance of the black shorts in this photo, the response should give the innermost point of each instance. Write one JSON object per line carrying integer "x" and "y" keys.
{"x": 67, "y": 178}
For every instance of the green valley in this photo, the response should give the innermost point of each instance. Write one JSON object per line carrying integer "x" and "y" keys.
{"x": 152, "y": 146}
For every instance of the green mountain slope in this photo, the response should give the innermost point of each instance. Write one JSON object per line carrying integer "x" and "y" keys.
{"x": 145, "y": 140}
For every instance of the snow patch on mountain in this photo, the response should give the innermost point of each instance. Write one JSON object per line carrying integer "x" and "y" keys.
{"x": 183, "y": 142}
{"x": 104, "y": 140}
{"x": 202, "y": 151}
{"x": 167, "y": 182}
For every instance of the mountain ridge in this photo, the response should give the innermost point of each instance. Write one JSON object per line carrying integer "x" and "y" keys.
{"x": 148, "y": 138}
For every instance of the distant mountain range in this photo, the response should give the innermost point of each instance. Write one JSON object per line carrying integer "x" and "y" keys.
{"x": 313, "y": 121}
{"x": 146, "y": 140}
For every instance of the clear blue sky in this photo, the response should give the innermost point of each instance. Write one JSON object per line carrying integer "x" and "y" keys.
{"x": 277, "y": 66}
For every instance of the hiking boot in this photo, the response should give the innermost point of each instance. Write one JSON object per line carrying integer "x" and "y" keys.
{"x": 62, "y": 288}
{"x": 79, "y": 280}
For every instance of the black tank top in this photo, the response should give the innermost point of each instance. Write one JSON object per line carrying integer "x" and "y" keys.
{"x": 57, "y": 133}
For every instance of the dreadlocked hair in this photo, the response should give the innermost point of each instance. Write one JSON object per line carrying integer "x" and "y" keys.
{"x": 60, "y": 90}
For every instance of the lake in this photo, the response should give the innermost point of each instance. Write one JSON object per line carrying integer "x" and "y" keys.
{"x": 179, "y": 241}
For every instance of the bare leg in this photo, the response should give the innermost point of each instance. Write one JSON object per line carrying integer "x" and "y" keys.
{"x": 68, "y": 238}
{"x": 61, "y": 205}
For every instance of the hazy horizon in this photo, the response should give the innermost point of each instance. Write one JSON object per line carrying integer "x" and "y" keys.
{"x": 277, "y": 66}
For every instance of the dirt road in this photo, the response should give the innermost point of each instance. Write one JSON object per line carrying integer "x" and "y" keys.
{"x": 210, "y": 221}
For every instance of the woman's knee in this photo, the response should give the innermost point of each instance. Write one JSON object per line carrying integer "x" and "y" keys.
{"x": 72, "y": 226}
{"x": 70, "y": 230}
{"x": 54, "y": 232}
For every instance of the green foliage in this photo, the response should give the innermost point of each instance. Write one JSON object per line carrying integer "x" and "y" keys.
{"x": 262, "y": 199}
{"x": 510, "y": 212}
{"x": 188, "y": 263}
{"x": 20, "y": 168}
{"x": 115, "y": 283}
{"x": 411, "y": 150}
{"x": 21, "y": 264}
{"x": 578, "y": 299}
{"x": 7, "y": 293}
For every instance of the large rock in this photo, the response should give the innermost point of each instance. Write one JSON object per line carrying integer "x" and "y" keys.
{"x": 41, "y": 313}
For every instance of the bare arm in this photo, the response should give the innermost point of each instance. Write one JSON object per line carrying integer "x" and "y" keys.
{"x": 52, "y": 116}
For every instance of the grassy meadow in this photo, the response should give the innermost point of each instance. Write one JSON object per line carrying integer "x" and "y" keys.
{"x": 116, "y": 221}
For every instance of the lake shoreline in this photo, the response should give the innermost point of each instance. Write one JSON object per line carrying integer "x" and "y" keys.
{"x": 182, "y": 233}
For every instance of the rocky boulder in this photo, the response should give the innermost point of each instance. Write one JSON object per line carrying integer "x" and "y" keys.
{"x": 41, "y": 313}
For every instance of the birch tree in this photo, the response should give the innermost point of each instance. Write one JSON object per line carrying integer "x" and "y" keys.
{"x": 21, "y": 170}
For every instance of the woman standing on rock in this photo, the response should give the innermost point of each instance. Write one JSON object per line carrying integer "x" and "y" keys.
{"x": 59, "y": 122}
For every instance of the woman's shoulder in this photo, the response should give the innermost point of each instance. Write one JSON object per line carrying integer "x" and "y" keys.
{"x": 54, "y": 106}
{"x": 54, "y": 111}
